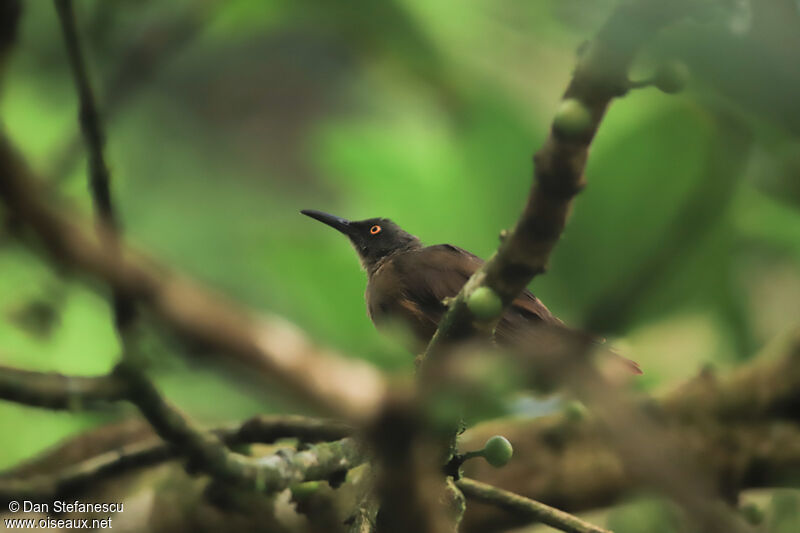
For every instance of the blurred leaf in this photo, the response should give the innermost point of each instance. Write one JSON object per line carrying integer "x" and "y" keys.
{"x": 650, "y": 515}
{"x": 38, "y": 317}
{"x": 784, "y": 512}
{"x": 638, "y": 176}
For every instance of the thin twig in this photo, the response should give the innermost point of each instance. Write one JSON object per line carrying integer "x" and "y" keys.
{"x": 140, "y": 63}
{"x": 94, "y": 137}
{"x": 526, "y": 508}
{"x": 91, "y": 126}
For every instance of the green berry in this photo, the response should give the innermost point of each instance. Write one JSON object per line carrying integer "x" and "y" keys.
{"x": 575, "y": 411}
{"x": 671, "y": 76}
{"x": 498, "y": 451}
{"x": 484, "y": 303}
{"x": 573, "y": 118}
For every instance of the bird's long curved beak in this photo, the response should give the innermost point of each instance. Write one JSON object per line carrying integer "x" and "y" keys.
{"x": 337, "y": 223}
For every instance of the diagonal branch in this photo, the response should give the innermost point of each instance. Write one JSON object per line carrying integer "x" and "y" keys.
{"x": 94, "y": 137}
{"x": 206, "y": 450}
{"x": 267, "y": 345}
{"x": 525, "y": 508}
{"x": 155, "y": 46}
{"x": 600, "y": 76}
{"x": 89, "y": 117}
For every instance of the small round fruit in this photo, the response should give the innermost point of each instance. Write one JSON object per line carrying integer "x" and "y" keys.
{"x": 573, "y": 118}
{"x": 671, "y": 76}
{"x": 484, "y": 303}
{"x": 575, "y": 411}
{"x": 498, "y": 451}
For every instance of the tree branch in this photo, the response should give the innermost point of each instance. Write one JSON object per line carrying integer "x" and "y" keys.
{"x": 742, "y": 423}
{"x": 269, "y": 428}
{"x": 528, "y": 509}
{"x": 99, "y": 176}
{"x": 716, "y": 434}
{"x": 600, "y": 76}
{"x": 648, "y": 448}
{"x": 86, "y": 473}
{"x": 115, "y": 436}
{"x": 208, "y": 453}
{"x": 57, "y": 391}
{"x": 269, "y": 345}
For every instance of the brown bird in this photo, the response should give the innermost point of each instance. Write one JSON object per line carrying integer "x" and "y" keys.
{"x": 408, "y": 282}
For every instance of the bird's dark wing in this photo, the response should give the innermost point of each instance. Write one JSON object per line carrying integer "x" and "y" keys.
{"x": 426, "y": 278}
{"x": 430, "y": 275}
{"x": 526, "y": 310}
{"x": 411, "y": 287}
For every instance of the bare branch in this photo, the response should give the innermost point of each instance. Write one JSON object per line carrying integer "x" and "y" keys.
{"x": 526, "y": 508}
{"x": 600, "y": 76}
{"x": 84, "y": 474}
{"x": 89, "y": 117}
{"x": 57, "y": 391}
{"x": 269, "y": 428}
{"x": 94, "y": 137}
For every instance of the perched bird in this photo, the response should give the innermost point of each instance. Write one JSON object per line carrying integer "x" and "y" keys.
{"x": 408, "y": 282}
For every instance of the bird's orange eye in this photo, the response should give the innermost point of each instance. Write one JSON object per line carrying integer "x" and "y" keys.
{"x": 374, "y": 230}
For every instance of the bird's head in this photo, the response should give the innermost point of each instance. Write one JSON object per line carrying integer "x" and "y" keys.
{"x": 373, "y": 238}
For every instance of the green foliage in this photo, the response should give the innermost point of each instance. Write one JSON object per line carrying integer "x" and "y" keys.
{"x": 784, "y": 512}
{"x": 405, "y": 111}
{"x": 647, "y": 514}
{"x": 752, "y": 513}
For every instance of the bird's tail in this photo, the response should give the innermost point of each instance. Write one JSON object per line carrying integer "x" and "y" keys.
{"x": 620, "y": 360}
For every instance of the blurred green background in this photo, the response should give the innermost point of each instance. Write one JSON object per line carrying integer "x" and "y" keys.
{"x": 225, "y": 119}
